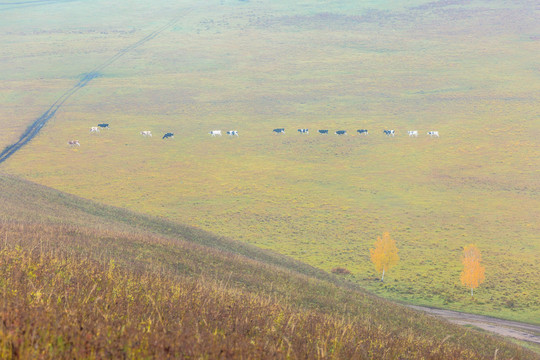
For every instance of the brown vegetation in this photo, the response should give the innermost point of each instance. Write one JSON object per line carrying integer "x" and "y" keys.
{"x": 113, "y": 291}
{"x": 340, "y": 271}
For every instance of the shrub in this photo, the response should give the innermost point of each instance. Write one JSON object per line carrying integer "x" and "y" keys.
{"x": 340, "y": 271}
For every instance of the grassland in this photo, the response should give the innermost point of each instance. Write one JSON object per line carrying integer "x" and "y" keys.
{"x": 466, "y": 69}
{"x": 83, "y": 280}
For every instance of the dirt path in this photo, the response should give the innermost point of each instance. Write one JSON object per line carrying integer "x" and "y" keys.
{"x": 36, "y": 126}
{"x": 514, "y": 329}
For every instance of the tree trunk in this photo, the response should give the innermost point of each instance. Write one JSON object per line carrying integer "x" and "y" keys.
{"x": 471, "y": 291}
{"x": 382, "y": 279}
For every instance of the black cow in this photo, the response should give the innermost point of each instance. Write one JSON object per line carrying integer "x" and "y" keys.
{"x": 279, "y": 130}
{"x": 168, "y": 135}
{"x": 323, "y": 131}
{"x": 341, "y": 132}
{"x": 105, "y": 126}
{"x": 362, "y": 131}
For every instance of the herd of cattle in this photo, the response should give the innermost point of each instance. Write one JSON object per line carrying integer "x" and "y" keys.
{"x": 411, "y": 133}
{"x": 148, "y": 133}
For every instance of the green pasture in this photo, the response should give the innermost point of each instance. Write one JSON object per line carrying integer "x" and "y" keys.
{"x": 467, "y": 70}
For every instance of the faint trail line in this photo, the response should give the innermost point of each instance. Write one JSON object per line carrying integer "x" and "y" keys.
{"x": 36, "y": 126}
{"x": 27, "y": 4}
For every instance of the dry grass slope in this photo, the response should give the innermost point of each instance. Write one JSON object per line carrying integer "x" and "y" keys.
{"x": 82, "y": 280}
{"x": 465, "y": 68}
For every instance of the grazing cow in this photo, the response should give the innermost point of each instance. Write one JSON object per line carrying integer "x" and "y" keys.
{"x": 362, "y": 131}
{"x": 104, "y": 126}
{"x": 433, "y": 133}
{"x": 168, "y": 135}
{"x": 94, "y": 129}
{"x": 341, "y": 132}
{"x": 413, "y": 133}
{"x": 323, "y": 132}
{"x": 146, "y": 133}
{"x": 232, "y": 133}
{"x": 303, "y": 131}
{"x": 215, "y": 132}
{"x": 389, "y": 132}
{"x": 279, "y": 131}
{"x": 73, "y": 143}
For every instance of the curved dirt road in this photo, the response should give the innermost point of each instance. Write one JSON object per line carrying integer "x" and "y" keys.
{"x": 507, "y": 328}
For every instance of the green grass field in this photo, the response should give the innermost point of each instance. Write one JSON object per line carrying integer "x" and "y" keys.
{"x": 466, "y": 69}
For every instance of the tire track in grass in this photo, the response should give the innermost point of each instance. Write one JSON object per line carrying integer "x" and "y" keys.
{"x": 38, "y": 124}
{"x": 31, "y": 2}
{"x": 26, "y": 4}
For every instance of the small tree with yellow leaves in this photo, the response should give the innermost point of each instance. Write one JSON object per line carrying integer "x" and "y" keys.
{"x": 473, "y": 272}
{"x": 385, "y": 254}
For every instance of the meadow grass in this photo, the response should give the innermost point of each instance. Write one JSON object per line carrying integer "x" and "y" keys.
{"x": 114, "y": 286}
{"x": 322, "y": 200}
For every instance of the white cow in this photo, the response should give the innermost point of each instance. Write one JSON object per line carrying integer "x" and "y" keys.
{"x": 73, "y": 143}
{"x": 413, "y": 133}
{"x": 433, "y": 133}
{"x": 215, "y": 132}
{"x": 232, "y": 133}
{"x": 94, "y": 129}
{"x": 146, "y": 133}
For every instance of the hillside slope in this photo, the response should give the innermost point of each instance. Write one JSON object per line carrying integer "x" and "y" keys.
{"x": 467, "y": 69}
{"x": 82, "y": 280}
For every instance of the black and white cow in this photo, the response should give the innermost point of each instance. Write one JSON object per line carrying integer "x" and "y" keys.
{"x": 433, "y": 133}
{"x": 146, "y": 133}
{"x": 323, "y": 132}
{"x": 104, "y": 126}
{"x": 279, "y": 130}
{"x": 303, "y": 131}
{"x": 215, "y": 132}
{"x": 341, "y": 132}
{"x": 73, "y": 143}
{"x": 362, "y": 131}
{"x": 389, "y": 132}
{"x": 168, "y": 135}
{"x": 232, "y": 133}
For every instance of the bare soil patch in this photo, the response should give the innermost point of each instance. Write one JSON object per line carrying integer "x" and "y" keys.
{"x": 514, "y": 329}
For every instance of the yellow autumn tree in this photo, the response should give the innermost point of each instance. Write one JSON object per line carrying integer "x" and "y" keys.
{"x": 385, "y": 254}
{"x": 473, "y": 272}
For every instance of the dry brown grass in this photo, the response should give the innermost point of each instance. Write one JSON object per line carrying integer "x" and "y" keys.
{"x": 70, "y": 292}
{"x": 82, "y": 280}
